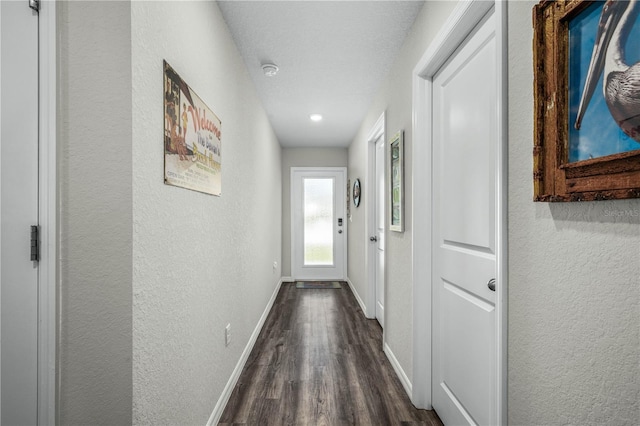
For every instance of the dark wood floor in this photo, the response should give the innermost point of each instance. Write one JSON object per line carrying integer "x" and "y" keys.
{"x": 319, "y": 361}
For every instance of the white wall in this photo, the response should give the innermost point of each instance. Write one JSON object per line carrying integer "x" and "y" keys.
{"x": 394, "y": 97}
{"x": 151, "y": 274}
{"x": 200, "y": 261}
{"x": 302, "y": 157}
{"x": 574, "y": 284}
{"x": 574, "y": 268}
{"x": 95, "y": 199}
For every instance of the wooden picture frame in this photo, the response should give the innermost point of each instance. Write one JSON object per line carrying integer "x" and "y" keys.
{"x": 396, "y": 166}
{"x": 556, "y": 77}
{"x": 348, "y": 191}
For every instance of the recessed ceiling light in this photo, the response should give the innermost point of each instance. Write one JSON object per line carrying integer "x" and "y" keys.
{"x": 270, "y": 69}
{"x": 315, "y": 117}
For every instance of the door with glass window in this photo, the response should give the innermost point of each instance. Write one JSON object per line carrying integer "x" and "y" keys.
{"x": 318, "y": 223}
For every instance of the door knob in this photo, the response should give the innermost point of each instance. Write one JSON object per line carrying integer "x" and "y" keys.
{"x": 492, "y": 284}
{"x": 374, "y": 239}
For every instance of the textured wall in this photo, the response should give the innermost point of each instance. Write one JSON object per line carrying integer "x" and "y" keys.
{"x": 95, "y": 171}
{"x": 574, "y": 284}
{"x": 394, "y": 97}
{"x": 200, "y": 261}
{"x": 302, "y": 157}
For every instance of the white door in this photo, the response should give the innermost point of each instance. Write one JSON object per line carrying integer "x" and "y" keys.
{"x": 318, "y": 223}
{"x": 18, "y": 211}
{"x": 465, "y": 140}
{"x": 379, "y": 221}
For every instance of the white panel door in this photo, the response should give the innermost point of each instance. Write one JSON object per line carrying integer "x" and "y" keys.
{"x": 318, "y": 225}
{"x": 464, "y": 185}
{"x": 18, "y": 211}
{"x": 380, "y": 221}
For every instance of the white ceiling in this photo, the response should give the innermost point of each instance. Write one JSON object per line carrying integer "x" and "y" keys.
{"x": 332, "y": 55}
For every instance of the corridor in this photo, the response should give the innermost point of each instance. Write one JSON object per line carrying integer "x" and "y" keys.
{"x": 319, "y": 361}
{"x": 155, "y": 304}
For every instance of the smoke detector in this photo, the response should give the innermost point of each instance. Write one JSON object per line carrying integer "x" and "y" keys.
{"x": 270, "y": 69}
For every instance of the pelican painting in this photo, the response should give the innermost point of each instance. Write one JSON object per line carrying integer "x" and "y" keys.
{"x": 615, "y": 56}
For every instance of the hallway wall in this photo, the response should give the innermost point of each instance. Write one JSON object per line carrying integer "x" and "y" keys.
{"x": 302, "y": 157}
{"x": 200, "y": 261}
{"x": 395, "y": 98}
{"x": 574, "y": 268}
{"x": 95, "y": 172}
{"x": 150, "y": 274}
{"x": 574, "y": 283}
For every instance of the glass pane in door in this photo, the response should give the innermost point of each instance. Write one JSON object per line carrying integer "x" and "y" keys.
{"x": 318, "y": 221}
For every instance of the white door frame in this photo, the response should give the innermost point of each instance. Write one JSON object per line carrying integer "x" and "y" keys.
{"x": 343, "y": 214}
{"x": 376, "y": 132}
{"x": 462, "y": 21}
{"x": 48, "y": 213}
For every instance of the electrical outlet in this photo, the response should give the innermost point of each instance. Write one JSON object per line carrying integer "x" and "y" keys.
{"x": 227, "y": 335}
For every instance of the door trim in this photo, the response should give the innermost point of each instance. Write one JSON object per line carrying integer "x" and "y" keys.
{"x": 48, "y": 214}
{"x": 377, "y": 131}
{"x": 458, "y": 26}
{"x": 343, "y": 170}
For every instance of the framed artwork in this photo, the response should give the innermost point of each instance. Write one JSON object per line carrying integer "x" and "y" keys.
{"x": 192, "y": 138}
{"x": 356, "y": 193}
{"x": 587, "y": 100}
{"x": 396, "y": 158}
{"x": 348, "y": 197}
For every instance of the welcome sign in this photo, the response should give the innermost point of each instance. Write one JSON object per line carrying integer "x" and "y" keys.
{"x": 192, "y": 138}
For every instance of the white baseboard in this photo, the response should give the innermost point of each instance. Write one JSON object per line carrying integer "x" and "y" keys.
{"x": 287, "y": 279}
{"x": 358, "y": 298}
{"x": 406, "y": 383}
{"x": 214, "y": 419}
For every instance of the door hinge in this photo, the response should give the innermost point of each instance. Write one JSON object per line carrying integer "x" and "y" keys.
{"x": 35, "y": 5}
{"x": 35, "y": 246}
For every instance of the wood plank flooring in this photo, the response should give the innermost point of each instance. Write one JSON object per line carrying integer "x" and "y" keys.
{"x": 319, "y": 361}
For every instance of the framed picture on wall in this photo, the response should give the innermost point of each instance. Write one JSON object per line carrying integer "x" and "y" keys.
{"x": 396, "y": 166}
{"x": 587, "y": 100}
{"x": 356, "y": 193}
{"x": 348, "y": 198}
{"x": 192, "y": 138}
